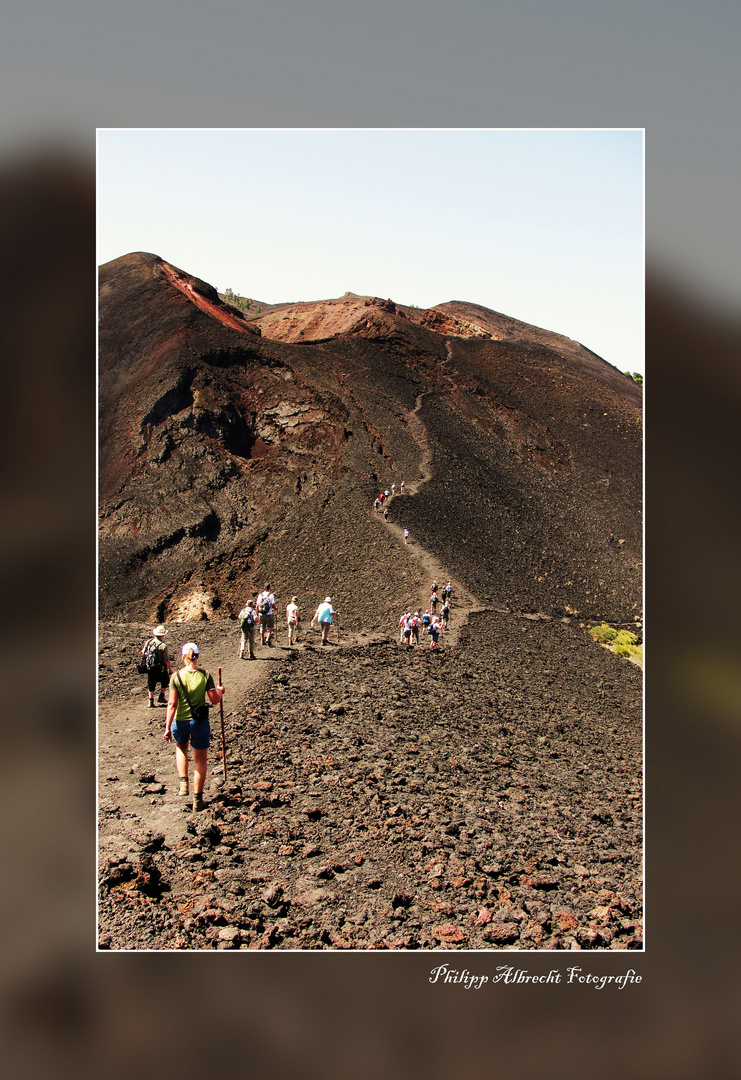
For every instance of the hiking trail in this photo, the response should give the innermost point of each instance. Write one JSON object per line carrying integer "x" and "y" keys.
{"x": 463, "y": 602}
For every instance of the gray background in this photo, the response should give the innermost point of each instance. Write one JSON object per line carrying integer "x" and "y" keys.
{"x": 670, "y": 67}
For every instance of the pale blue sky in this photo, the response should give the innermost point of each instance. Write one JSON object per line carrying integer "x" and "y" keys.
{"x": 544, "y": 226}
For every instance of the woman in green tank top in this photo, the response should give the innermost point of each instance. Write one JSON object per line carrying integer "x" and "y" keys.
{"x": 189, "y": 688}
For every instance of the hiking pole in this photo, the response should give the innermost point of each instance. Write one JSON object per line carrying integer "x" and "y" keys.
{"x": 338, "y": 630}
{"x": 223, "y": 740}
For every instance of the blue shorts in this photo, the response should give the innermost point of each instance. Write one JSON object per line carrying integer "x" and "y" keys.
{"x": 199, "y": 734}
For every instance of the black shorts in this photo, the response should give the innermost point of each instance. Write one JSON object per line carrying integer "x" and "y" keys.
{"x": 157, "y": 677}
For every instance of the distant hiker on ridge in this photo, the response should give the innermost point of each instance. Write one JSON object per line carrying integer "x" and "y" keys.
{"x": 248, "y": 622}
{"x": 266, "y": 607}
{"x": 323, "y": 615}
{"x": 445, "y": 613}
{"x": 293, "y": 619}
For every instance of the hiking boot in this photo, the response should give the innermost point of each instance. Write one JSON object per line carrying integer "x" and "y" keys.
{"x": 198, "y": 803}
{"x": 184, "y": 789}
{"x": 161, "y": 697}
{"x": 151, "y": 703}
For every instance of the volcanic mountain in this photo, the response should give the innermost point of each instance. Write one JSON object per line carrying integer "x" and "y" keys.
{"x": 240, "y": 449}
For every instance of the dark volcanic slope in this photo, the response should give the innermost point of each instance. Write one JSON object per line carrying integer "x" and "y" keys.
{"x": 234, "y": 451}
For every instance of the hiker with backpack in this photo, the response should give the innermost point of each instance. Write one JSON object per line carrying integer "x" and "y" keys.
{"x": 323, "y": 615}
{"x": 248, "y": 622}
{"x": 155, "y": 662}
{"x": 416, "y": 622}
{"x": 266, "y": 608}
{"x": 445, "y": 613}
{"x": 292, "y": 618}
{"x": 187, "y": 720}
{"x": 434, "y": 631}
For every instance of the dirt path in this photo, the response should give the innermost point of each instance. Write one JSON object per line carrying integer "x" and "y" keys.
{"x": 463, "y": 602}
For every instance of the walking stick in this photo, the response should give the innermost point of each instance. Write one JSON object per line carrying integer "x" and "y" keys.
{"x": 338, "y": 630}
{"x": 223, "y": 740}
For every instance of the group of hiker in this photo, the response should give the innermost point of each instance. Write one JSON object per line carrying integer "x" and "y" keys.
{"x": 429, "y": 622}
{"x": 259, "y": 615}
{"x": 186, "y": 720}
{"x": 385, "y": 495}
{"x": 381, "y": 500}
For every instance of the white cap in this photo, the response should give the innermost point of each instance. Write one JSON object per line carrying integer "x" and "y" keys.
{"x": 190, "y": 646}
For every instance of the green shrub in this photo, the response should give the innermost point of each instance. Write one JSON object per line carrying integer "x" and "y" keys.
{"x": 621, "y": 642}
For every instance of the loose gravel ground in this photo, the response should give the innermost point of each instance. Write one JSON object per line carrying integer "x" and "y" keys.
{"x": 484, "y": 796}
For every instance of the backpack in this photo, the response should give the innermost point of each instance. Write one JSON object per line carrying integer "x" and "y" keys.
{"x": 263, "y": 603}
{"x": 151, "y": 659}
{"x": 426, "y": 619}
{"x": 246, "y": 617}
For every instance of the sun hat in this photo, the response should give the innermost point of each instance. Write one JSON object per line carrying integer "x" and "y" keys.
{"x": 294, "y": 599}
{"x": 250, "y": 603}
{"x": 190, "y": 646}
{"x": 159, "y": 631}
{"x": 327, "y": 599}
